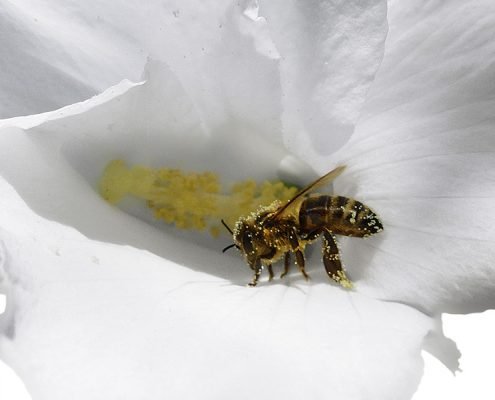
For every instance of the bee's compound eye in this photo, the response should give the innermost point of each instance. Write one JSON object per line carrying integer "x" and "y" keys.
{"x": 247, "y": 243}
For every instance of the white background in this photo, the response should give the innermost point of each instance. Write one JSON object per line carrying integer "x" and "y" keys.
{"x": 475, "y": 337}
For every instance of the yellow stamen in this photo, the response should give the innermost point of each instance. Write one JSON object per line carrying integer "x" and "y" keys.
{"x": 189, "y": 200}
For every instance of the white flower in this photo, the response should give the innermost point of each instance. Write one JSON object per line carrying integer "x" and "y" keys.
{"x": 104, "y": 305}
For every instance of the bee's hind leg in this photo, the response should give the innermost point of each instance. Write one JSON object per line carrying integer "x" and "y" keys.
{"x": 332, "y": 262}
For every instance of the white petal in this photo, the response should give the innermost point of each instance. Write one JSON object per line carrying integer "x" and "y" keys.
{"x": 88, "y": 320}
{"x": 54, "y": 53}
{"x": 221, "y": 55}
{"x": 235, "y": 60}
{"x": 330, "y": 52}
{"x": 423, "y": 158}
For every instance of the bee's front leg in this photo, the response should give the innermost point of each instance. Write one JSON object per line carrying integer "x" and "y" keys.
{"x": 257, "y": 273}
{"x": 256, "y": 266}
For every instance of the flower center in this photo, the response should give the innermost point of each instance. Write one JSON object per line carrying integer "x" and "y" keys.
{"x": 192, "y": 200}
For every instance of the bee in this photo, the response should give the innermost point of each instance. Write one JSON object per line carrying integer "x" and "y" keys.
{"x": 278, "y": 230}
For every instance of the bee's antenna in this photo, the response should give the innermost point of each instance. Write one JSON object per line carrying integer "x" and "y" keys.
{"x": 227, "y": 227}
{"x": 229, "y": 247}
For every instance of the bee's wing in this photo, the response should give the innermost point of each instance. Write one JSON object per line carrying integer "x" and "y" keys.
{"x": 324, "y": 180}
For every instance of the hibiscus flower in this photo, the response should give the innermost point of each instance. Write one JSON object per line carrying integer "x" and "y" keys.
{"x": 103, "y": 303}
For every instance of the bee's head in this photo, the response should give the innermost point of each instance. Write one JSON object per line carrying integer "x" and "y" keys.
{"x": 244, "y": 236}
{"x": 249, "y": 241}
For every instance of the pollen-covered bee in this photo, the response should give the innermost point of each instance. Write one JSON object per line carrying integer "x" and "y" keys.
{"x": 276, "y": 231}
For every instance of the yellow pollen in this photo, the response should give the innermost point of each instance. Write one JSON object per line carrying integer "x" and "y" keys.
{"x": 189, "y": 200}
{"x": 342, "y": 279}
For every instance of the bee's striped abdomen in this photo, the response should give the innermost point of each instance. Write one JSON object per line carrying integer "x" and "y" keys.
{"x": 341, "y": 215}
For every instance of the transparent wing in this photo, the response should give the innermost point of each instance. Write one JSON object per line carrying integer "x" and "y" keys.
{"x": 323, "y": 181}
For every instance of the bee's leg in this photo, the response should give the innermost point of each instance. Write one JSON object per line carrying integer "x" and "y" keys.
{"x": 257, "y": 272}
{"x": 294, "y": 243}
{"x": 332, "y": 262}
{"x": 301, "y": 263}
{"x": 286, "y": 264}
{"x": 270, "y": 272}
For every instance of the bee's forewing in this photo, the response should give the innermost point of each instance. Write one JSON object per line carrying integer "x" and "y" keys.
{"x": 323, "y": 181}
